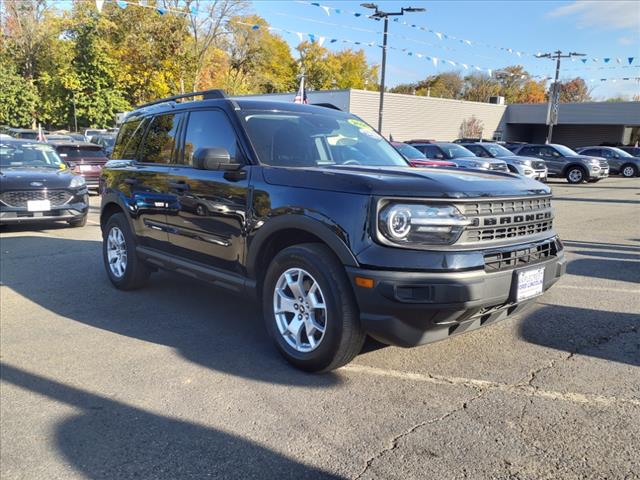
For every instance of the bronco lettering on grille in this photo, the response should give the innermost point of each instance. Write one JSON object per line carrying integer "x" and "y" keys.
{"x": 508, "y": 220}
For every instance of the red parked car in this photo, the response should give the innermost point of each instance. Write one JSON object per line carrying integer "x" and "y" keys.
{"x": 417, "y": 159}
{"x": 85, "y": 159}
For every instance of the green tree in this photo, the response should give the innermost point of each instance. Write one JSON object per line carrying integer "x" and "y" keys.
{"x": 351, "y": 70}
{"x": 479, "y": 87}
{"x": 18, "y": 98}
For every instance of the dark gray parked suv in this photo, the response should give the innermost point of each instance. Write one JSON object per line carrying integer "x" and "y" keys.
{"x": 564, "y": 162}
{"x": 620, "y": 162}
{"x": 314, "y": 214}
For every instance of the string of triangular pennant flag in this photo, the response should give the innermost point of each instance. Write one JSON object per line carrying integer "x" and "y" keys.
{"x": 444, "y": 36}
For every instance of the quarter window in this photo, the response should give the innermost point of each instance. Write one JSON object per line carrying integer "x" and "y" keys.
{"x": 206, "y": 129}
{"x": 533, "y": 151}
{"x": 159, "y": 144}
{"x": 129, "y": 139}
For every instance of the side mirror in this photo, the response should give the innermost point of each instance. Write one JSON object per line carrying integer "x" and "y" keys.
{"x": 214, "y": 158}
{"x": 69, "y": 164}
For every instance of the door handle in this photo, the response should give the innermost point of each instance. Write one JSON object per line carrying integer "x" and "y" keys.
{"x": 179, "y": 185}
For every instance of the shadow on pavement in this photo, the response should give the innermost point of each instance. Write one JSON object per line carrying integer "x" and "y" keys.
{"x": 595, "y": 200}
{"x": 585, "y": 331}
{"x": 206, "y": 325}
{"x": 601, "y": 245}
{"x": 608, "y": 261}
{"x": 107, "y": 439}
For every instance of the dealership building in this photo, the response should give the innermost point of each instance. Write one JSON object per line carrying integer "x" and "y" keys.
{"x": 409, "y": 117}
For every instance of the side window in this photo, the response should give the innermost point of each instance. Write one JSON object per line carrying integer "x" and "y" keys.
{"x": 129, "y": 138}
{"x": 548, "y": 152}
{"x": 478, "y": 151}
{"x": 593, "y": 151}
{"x": 431, "y": 151}
{"x": 532, "y": 151}
{"x": 209, "y": 128}
{"x": 604, "y": 153}
{"x": 160, "y": 141}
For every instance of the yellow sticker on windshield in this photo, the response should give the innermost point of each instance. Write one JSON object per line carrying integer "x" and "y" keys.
{"x": 359, "y": 124}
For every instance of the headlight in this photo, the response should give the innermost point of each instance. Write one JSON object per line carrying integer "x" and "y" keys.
{"x": 522, "y": 162}
{"x": 528, "y": 171}
{"x": 472, "y": 164}
{"x": 77, "y": 181}
{"x": 416, "y": 224}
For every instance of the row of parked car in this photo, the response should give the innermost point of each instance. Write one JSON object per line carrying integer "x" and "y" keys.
{"x": 537, "y": 161}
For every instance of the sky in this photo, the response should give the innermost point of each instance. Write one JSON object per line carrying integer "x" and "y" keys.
{"x": 601, "y": 29}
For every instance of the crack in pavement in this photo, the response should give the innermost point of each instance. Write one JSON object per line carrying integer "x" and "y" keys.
{"x": 393, "y": 444}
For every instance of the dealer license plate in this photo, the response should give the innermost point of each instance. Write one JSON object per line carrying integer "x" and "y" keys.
{"x": 38, "y": 205}
{"x": 530, "y": 283}
{"x": 86, "y": 168}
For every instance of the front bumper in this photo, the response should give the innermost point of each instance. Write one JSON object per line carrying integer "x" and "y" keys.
{"x": 601, "y": 173}
{"x": 412, "y": 308}
{"x": 68, "y": 211}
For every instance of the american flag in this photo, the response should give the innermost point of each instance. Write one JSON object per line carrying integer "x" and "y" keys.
{"x": 301, "y": 96}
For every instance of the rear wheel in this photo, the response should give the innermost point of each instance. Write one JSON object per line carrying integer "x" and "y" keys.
{"x": 310, "y": 310}
{"x": 629, "y": 171}
{"x": 124, "y": 268}
{"x": 576, "y": 175}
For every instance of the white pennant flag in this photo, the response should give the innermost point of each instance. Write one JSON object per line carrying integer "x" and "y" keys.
{"x": 466, "y": 67}
{"x": 321, "y": 40}
{"x": 419, "y": 55}
{"x": 435, "y": 61}
{"x": 326, "y": 10}
{"x": 489, "y": 71}
{"x": 99, "y": 5}
{"x": 439, "y": 35}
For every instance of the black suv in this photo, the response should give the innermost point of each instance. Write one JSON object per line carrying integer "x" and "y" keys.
{"x": 312, "y": 212}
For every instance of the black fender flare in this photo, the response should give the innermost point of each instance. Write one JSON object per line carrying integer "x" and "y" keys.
{"x": 115, "y": 198}
{"x": 319, "y": 229}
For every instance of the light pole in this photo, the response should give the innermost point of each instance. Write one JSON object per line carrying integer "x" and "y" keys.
{"x": 554, "y": 94}
{"x": 380, "y": 14}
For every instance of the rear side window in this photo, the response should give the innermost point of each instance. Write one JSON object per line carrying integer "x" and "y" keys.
{"x": 206, "y": 129}
{"x": 160, "y": 142}
{"x": 129, "y": 139}
{"x": 431, "y": 151}
{"x": 592, "y": 151}
{"x": 534, "y": 151}
{"x": 478, "y": 150}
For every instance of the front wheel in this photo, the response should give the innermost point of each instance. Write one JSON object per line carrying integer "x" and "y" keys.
{"x": 310, "y": 310}
{"x": 576, "y": 175}
{"x": 629, "y": 171}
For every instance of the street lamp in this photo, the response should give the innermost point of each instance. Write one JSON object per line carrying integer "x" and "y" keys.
{"x": 554, "y": 94}
{"x": 378, "y": 14}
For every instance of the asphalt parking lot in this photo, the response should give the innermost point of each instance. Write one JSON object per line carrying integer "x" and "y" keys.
{"x": 180, "y": 380}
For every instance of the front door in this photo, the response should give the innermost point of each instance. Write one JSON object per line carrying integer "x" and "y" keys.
{"x": 209, "y": 224}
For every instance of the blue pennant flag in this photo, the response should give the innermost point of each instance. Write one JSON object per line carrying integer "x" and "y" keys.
{"x": 122, "y": 4}
{"x": 410, "y": 54}
{"x": 333, "y": 40}
{"x": 161, "y": 10}
{"x": 312, "y": 37}
{"x": 606, "y": 60}
{"x": 337, "y": 10}
{"x": 357, "y": 14}
{"x": 630, "y": 59}
{"x": 315, "y": 4}
{"x": 193, "y": 10}
{"x": 583, "y": 60}
{"x": 255, "y": 27}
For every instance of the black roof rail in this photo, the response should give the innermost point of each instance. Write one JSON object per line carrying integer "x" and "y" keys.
{"x": 205, "y": 94}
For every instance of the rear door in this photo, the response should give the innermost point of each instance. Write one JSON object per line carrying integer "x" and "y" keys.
{"x": 209, "y": 225}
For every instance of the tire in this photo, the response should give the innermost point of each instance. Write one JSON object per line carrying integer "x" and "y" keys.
{"x": 78, "y": 222}
{"x": 594, "y": 180}
{"x": 134, "y": 273}
{"x": 342, "y": 337}
{"x": 629, "y": 170}
{"x": 576, "y": 175}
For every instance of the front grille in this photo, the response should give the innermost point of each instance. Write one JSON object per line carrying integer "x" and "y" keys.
{"x": 604, "y": 164}
{"x": 498, "y": 221}
{"x": 508, "y": 260}
{"x": 19, "y": 199}
{"x": 499, "y": 207}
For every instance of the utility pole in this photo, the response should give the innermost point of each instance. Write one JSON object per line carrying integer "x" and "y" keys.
{"x": 554, "y": 91}
{"x": 379, "y": 14}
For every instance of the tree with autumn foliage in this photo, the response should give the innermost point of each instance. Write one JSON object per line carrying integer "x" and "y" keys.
{"x": 574, "y": 91}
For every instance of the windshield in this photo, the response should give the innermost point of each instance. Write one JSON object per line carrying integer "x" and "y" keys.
{"x": 75, "y": 152}
{"x": 296, "y": 139}
{"x": 452, "y": 150}
{"x": 32, "y": 155}
{"x": 497, "y": 150}
{"x": 409, "y": 152}
{"x": 622, "y": 153}
{"x": 565, "y": 151}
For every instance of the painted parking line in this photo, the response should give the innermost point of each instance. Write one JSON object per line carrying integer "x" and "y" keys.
{"x": 517, "y": 389}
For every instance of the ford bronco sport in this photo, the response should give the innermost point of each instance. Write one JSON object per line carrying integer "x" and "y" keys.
{"x": 314, "y": 214}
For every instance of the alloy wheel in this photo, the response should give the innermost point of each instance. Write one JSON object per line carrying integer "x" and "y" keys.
{"x": 300, "y": 310}
{"x": 117, "y": 252}
{"x": 575, "y": 175}
{"x": 628, "y": 171}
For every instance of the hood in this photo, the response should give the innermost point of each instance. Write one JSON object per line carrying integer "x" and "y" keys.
{"x": 19, "y": 178}
{"x": 507, "y": 158}
{"x": 406, "y": 181}
{"x": 585, "y": 158}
